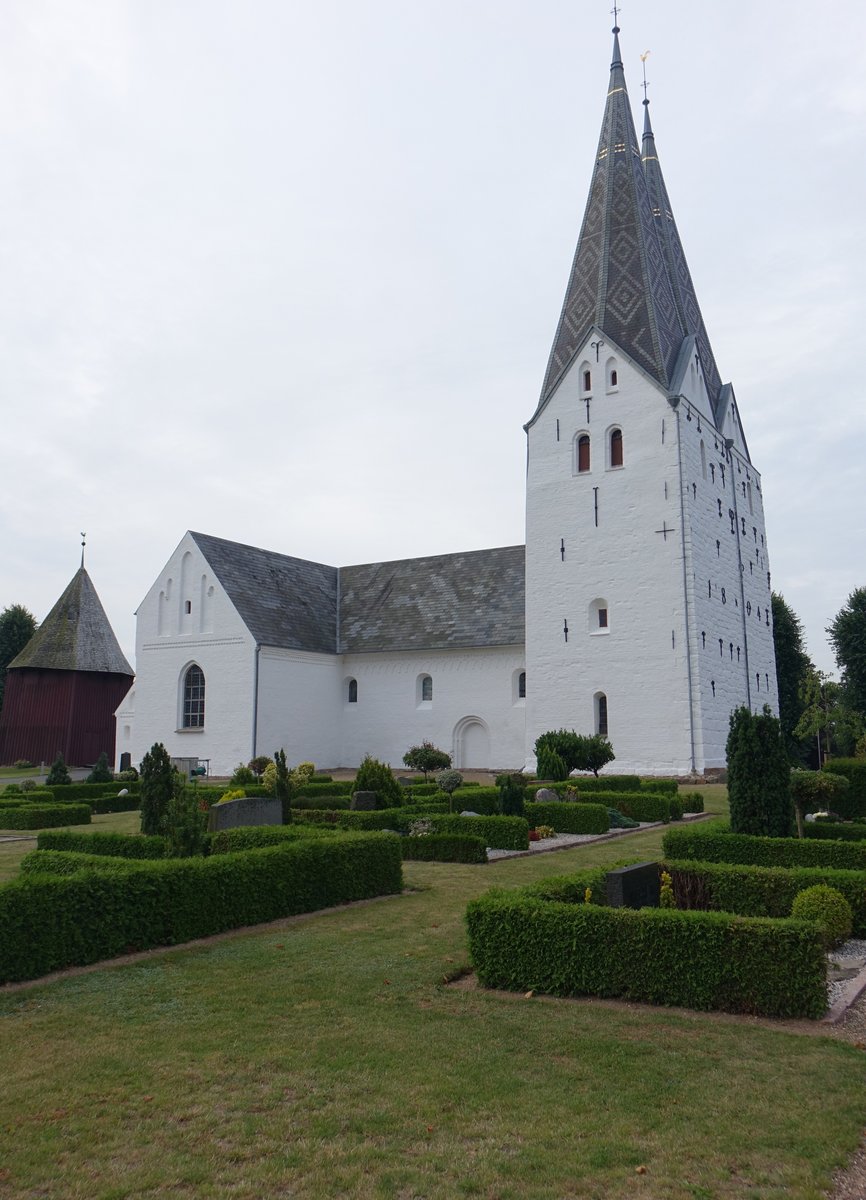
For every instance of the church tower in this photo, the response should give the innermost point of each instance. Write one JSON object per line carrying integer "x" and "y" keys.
{"x": 648, "y": 615}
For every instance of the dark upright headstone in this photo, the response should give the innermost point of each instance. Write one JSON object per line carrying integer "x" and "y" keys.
{"x": 125, "y": 760}
{"x": 250, "y": 810}
{"x": 363, "y": 802}
{"x": 637, "y": 886}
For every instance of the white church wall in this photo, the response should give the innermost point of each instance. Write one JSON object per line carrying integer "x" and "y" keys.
{"x": 299, "y": 706}
{"x": 187, "y": 618}
{"x": 609, "y": 533}
{"x": 475, "y": 712}
{"x": 733, "y": 660}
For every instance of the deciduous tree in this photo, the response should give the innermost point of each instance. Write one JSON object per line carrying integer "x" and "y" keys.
{"x": 17, "y": 626}
{"x": 792, "y": 668}
{"x": 847, "y": 634}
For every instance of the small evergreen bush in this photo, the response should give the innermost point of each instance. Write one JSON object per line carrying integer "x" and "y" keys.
{"x": 58, "y": 776}
{"x": 829, "y": 908}
{"x": 759, "y": 787}
{"x": 375, "y": 776}
{"x": 102, "y": 772}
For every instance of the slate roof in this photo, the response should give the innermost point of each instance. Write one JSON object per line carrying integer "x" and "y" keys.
{"x": 619, "y": 278}
{"x": 283, "y": 601}
{"x": 448, "y": 602}
{"x": 75, "y": 636}
{"x": 685, "y": 298}
{"x": 445, "y": 602}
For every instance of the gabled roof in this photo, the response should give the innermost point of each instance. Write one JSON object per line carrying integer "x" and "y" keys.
{"x": 448, "y": 602}
{"x": 680, "y": 277}
{"x": 75, "y": 636}
{"x": 619, "y": 279}
{"x": 283, "y": 601}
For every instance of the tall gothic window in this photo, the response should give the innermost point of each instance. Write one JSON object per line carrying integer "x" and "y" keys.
{"x": 601, "y": 714}
{"x": 426, "y": 688}
{"x": 583, "y": 453}
{"x": 616, "y": 447}
{"x": 193, "y": 698}
{"x": 521, "y": 686}
{"x": 352, "y": 697}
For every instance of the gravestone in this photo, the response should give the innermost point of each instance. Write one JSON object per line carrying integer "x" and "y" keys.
{"x": 637, "y": 886}
{"x": 363, "y": 802}
{"x": 249, "y": 810}
{"x": 547, "y": 795}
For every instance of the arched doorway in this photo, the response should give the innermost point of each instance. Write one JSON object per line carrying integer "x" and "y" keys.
{"x": 472, "y": 744}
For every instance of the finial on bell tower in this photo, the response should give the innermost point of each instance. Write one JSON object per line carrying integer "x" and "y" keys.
{"x": 616, "y": 11}
{"x": 645, "y": 85}
{"x": 83, "y": 544}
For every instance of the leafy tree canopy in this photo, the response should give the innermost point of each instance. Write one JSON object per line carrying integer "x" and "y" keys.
{"x": 792, "y": 668}
{"x": 847, "y": 634}
{"x": 426, "y": 758}
{"x": 17, "y": 627}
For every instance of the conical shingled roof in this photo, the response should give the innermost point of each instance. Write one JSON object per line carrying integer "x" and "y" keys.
{"x": 678, "y": 270}
{"x": 75, "y": 636}
{"x": 619, "y": 279}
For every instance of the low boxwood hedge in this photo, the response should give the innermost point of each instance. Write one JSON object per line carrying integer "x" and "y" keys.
{"x": 568, "y": 818}
{"x": 55, "y": 921}
{"x": 91, "y": 791}
{"x": 444, "y": 847}
{"x": 114, "y": 845}
{"x": 44, "y": 816}
{"x": 116, "y": 804}
{"x": 251, "y": 837}
{"x": 328, "y": 800}
{"x": 692, "y": 802}
{"x": 714, "y": 842}
{"x": 760, "y": 891}
{"x": 482, "y": 800}
{"x": 46, "y": 795}
{"x": 398, "y": 819}
{"x": 834, "y": 831}
{"x": 341, "y": 787}
{"x": 522, "y": 941}
{"x": 499, "y": 833}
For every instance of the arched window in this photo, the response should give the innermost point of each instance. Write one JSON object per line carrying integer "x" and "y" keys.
{"x": 521, "y": 686}
{"x": 192, "y": 711}
{"x": 612, "y": 374}
{"x": 587, "y": 381}
{"x": 582, "y": 453}
{"x": 616, "y": 447}
{"x": 599, "y": 616}
{"x": 600, "y": 713}
{"x": 703, "y": 459}
{"x": 352, "y": 692}
{"x": 424, "y": 689}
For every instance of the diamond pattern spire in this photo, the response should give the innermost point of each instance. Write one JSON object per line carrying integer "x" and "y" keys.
{"x": 619, "y": 278}
{"x": 686, "y": 301}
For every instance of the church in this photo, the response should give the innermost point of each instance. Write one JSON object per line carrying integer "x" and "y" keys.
{"x": 639, "y": 607}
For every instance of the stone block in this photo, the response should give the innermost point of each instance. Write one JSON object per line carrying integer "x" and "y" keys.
{"x": 363, "y": 802}
{"x": 251, "y": 810}
{"x": 636, "y": 886}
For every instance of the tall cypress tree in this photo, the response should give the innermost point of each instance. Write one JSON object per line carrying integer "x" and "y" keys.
{"x": 157, "y": 789}
{"x": 759, "y": 775}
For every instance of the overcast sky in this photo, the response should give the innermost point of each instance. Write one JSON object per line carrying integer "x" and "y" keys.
{"x": 288, "y": 271}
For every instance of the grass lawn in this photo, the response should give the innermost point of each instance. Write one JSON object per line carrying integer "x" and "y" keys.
{"x": 11, "y": 853}
{"x": 325, "y": 1057}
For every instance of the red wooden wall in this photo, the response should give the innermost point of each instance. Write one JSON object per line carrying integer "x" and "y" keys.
{"x": 46, "y": 713}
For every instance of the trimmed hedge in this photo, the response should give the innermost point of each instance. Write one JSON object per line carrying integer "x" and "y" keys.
{"x": 114, "y": 845}
{"x": 327, "y": 800}
{"x": 44, "y": 816}
{"x": 714, "y": 842}
{"x": 850, "y": 804}
{"x": 523, "y": 942}
{"x": 444, "y": 847}
{"x": 397, "y": 819}
{"x": 664, "y": 787}
{"x": 646, "y": 807}
{"x": 834, "y": 831}
{"x": 342, "y": 787}
{"x": 692, "y": 802}
{"x": 52, "y": 921}
{"x": 92, "y": 791}
{"x": 760, "y": 891}
{"x": 568, "y": 818}
{"x": 252, "y": 837}
{"x": 35, "y": 794}
{"x": 116, "y": 804}
{"x": 499, "y": 833}
{"x": 483, "y": 800}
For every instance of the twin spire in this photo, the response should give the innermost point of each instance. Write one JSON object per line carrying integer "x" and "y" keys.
{"x": 629, "y": 277}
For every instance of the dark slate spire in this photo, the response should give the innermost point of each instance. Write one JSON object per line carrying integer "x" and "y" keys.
{"x": 619, "y": 281}
{"x": 75, "y": 636}
{"x": 678, "y": 271}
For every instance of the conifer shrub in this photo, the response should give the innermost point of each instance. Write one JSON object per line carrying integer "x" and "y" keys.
{"x": 101, "y": 772}
{"x": 512, "y": 788}
{"x": 851, "y": 806}
{"x": 58, "y": 776}
{"x": 829, "y": 908}
{"x": 283, "y": 788}
{"x": 158, "y": 781}
{"x": 550, "y": 765}
{"x": 759, "y": 790}
{"x": 375, "y": 776}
